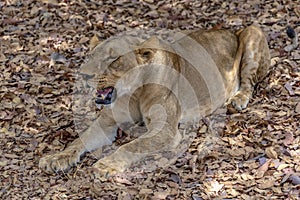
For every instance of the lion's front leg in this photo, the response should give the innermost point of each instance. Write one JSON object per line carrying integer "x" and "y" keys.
{"x": 132, "y": 152}
{"x": 101, "y": 132}
{"x": 161, "y": 121}
{"x": 255, "y": 61}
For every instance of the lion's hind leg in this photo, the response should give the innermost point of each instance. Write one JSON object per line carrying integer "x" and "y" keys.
{"x": 254, "y": 55}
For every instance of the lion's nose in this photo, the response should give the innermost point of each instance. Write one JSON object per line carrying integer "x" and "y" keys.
{"x": 87, "y": 76}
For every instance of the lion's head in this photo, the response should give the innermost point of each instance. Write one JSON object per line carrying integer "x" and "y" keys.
{"x": 106, "y": 64}
{"x": 112, "y": 59}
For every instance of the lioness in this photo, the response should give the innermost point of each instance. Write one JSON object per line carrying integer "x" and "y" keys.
{"x": 162, "y": 84}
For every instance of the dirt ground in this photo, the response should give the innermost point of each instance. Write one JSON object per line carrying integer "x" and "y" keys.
{"x": 43, "y": 44}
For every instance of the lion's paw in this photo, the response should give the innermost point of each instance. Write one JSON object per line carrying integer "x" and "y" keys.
{"x": 61, "y": 161}
{"x": 107, "y": 167}
{"x": 103, "y": 171}
{"x": 239, "y": 101}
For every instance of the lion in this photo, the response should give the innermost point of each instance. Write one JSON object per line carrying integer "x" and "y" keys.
{"x": 163, "y": 84}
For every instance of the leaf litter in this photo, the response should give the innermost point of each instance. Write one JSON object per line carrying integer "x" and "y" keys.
{"x": 43, "y": 44}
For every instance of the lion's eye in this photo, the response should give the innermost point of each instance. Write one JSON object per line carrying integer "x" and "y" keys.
{"x": 115, "y": 64}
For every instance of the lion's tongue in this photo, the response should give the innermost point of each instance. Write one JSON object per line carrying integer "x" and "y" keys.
{"x": 104, "y": 92}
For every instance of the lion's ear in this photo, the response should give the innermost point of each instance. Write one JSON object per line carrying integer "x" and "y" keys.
{"x": 147, "y": 49}
{"x": 145, "y": 54}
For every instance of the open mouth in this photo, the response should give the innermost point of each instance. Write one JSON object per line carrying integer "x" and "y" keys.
{"x": 105, "y": 96}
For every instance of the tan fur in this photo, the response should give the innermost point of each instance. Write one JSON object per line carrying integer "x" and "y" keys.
{"x": 241, "y": 61}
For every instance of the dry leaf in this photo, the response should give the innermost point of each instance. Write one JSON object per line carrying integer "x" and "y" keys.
{"x": 84, "y": 40}
{"x": 215, "y": 186}
{"x": 146, "y": 191}
{"x": 295, "y": 179}
{"x": 266, "y": 184}
{"x": 161, "y": 195}
{"x": 282, "y": 166}
{"x": 289, "y": 88}
{"x": 297, "y": 108}
{"x": 289, "y": 138}
{"x": 262, "y": 169}
{"x": 271, "y": 153}
{"x": 122, "y": 180}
